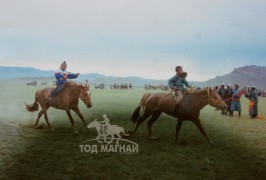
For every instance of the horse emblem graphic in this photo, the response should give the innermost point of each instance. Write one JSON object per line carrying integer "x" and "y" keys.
{"x": 107, "y": 131}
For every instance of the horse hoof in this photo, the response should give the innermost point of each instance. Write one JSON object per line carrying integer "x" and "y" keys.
{"x": 76, "y": 132}
{"x": 183, "y": 143}
{"x": 52, "y": 129}
{"x": 40, "y": 126}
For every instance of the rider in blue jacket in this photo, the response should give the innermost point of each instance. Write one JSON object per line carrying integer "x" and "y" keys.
{"x": 61, "y": 76}
{"x": 177, "y": 82}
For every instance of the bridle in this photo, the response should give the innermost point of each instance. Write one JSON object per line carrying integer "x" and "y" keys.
{"x": 79, "y": 94}
{"x": 209, "y": 97}
{"x": 86, "y": 98}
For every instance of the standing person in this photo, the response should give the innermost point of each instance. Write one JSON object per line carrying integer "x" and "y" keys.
{"x": 236, "y": 104}
{"x": 228, "y": 95}
{"x": 253, "y": 102}
{"x": 215, "y": 88}
{"x": 61, "y": 76}
{"x": 177, "y": 82}
{"x": 221, "y": 92}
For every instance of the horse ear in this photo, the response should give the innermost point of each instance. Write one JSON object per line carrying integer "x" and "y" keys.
{"x": 87, "y": 83}
{"x": 209, "y": 89}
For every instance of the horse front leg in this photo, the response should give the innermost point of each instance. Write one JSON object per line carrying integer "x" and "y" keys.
{"x": 178, "y": 127}
{"x": 77, "y": 111}
{"x": 72, "y": 121}
{"x": 105, "y": 138}
{"x": 112, "y": 138}
{"x": 202, "y": 130}
{"x": 118, "y": 139}
{"x": 154, "y": 117}
{"x": 98, "y": 138}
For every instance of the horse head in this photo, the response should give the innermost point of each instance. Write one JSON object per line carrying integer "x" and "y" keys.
{"x": 94, "y": 124}
{"x": 214, "y": 99}
{"x": 86, "y": 94}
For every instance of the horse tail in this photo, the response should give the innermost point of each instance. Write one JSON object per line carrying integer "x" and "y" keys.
{"x": 136, "y": 115}
{"x": 34, "y": 106}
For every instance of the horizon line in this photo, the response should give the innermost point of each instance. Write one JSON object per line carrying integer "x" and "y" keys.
{"x": 128, "y": 76}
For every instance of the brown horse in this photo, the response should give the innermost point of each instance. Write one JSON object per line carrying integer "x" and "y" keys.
{"x": 189, "y": 109}
{"x": 67, "y": 99}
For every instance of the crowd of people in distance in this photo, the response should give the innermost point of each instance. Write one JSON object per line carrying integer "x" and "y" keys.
{"x": 232, "y": 95}
{"x": 155, "y": 87}
{"x": 121, "y": 86}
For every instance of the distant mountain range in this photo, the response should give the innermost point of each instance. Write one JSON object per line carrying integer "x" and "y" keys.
{"x": 244, "y": 76}
{"x": 30, "y": 73}
{"x": 22, "y": 72}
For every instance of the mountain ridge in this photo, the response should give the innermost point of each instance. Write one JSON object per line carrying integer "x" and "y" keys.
{"x": 244, "y": 76}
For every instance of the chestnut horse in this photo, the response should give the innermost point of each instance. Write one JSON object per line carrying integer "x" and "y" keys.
{"x": 67, "y": 99}
{"x": 189, "y": 109}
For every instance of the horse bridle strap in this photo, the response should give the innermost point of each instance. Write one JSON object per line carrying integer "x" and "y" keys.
{"x": 216, "y": 102}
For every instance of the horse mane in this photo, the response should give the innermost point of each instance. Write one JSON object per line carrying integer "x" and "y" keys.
{"x": 69, "y": 84}
{"x": 193, "y": 92}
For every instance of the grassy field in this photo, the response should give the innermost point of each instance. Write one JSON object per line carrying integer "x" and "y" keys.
{"x": 26, "y": 153}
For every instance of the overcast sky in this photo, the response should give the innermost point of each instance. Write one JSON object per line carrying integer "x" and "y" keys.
{"x": 146, "y": 38}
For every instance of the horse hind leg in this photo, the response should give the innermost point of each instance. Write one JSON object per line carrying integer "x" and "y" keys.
{"x": 154, "y": 117}
{"x": 141, "y": 119}
{"x": 38, "y": 118}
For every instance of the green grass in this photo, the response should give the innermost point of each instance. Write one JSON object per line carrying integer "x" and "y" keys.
{"x": 239, "y": 151}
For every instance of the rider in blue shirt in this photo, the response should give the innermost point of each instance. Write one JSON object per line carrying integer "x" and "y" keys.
{"x": 61, "y": 76}
{"x": 177, "y": 82}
